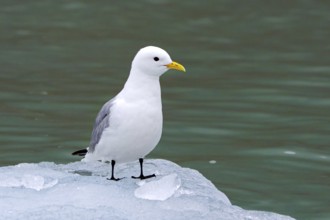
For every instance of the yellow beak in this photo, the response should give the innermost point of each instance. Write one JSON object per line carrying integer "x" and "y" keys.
{"x": 176, "y": 66}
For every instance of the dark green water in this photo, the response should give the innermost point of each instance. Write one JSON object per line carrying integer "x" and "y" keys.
{"x": 256, "y": 98}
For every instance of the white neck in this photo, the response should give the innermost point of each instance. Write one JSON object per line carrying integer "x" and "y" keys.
{"x": 142, "y": 86}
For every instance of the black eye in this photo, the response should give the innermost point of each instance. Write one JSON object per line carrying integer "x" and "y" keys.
{"x": 156, "y": 58}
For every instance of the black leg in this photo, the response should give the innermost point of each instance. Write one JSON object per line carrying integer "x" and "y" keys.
{"x": 142, "y": 177}
{"x": 113, "y": 163}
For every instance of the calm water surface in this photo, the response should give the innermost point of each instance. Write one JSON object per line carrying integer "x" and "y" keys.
{"x": 255, "y": 100}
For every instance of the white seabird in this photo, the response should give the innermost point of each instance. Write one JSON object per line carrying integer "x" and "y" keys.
{"x": 129, "y": 126}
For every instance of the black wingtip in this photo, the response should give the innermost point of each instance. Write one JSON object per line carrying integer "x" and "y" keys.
{"x": 82, "y": 152}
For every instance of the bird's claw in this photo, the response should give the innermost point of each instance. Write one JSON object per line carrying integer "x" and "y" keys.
{"x": 143, "y": 177}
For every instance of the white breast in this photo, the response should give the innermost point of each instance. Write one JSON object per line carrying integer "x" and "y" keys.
{"x": 135, "y": 130}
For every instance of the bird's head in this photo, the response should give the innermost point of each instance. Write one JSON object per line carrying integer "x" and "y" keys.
{"x": 155, "y": 61}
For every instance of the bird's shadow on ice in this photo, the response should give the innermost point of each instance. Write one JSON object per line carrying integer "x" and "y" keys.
{"x": 82, "y": 172}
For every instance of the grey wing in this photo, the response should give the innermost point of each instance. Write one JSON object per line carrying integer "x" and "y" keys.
{"x": 101, "y": 123}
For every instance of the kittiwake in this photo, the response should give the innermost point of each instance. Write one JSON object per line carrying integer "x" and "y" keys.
{"x": 129, "y": 126}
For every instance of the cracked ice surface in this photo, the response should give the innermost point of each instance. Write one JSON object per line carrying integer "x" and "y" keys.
{"x": 81, "y": 191}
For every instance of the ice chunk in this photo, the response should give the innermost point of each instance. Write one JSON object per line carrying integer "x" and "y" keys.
{"x": 29, "y": 181}
{"x": 81, "y": 191}
{"x": 161, "y": 189}
{"x": 36, "y": 182}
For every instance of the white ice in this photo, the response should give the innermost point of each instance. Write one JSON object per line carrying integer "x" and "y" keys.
{"x": 161, "y": 189}
{"x": 81, "y": 191}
